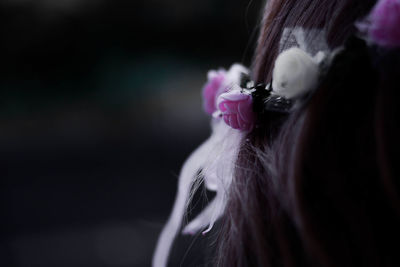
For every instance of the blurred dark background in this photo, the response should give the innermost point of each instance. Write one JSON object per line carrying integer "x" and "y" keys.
{"x": 99, "y": 106}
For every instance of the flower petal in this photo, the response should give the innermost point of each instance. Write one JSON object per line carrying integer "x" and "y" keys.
{"x": 384, "y": 23}
{"x": 233, "y": 121}
{"x": 210, "y": 90}
{"x": 245, "y": 110}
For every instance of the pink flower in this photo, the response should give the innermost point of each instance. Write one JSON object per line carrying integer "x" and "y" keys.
{"x": 237, "y": 109}
{"x": 212, "y": 89}
{"x": 384, "y": 26}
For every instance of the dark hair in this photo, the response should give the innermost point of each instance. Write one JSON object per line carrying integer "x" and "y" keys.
{"x": 322, "y": 189}
{"x": 335, "y": 17}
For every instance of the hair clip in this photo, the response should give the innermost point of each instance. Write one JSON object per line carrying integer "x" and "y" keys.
{"x": 263, "y": 96}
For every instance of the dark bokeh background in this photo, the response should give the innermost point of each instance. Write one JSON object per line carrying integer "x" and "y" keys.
{"x": 99, "y": 106}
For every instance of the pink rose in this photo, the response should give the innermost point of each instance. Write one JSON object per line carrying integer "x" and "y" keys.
{"x": 212, "y": 89}
{"x": 384, "y": 25}
{"x": 236, "y": 108}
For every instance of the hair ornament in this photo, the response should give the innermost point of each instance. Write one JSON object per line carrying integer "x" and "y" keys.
{"x": 214, "y": 160}
{"x": 220, "y": 81}
{"x": 234, "y": 101}
{"x": 236, "y": 108}
{"x": 295, "y": 73}
{"x": 210, "y": 90}
{"x": 382, "y": 24}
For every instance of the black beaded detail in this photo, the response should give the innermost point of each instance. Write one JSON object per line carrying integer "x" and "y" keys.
{"x": 263, "y": 99}
{"x": 260, "y": 93}
{"x": 278, "y": 104}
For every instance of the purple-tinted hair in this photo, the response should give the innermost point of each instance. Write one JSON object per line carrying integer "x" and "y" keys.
{"x": 320, "y": 187}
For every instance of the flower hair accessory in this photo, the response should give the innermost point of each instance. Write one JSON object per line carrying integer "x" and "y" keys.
{"x": 215, "y": 158}
{"x": 236, "y": 103}
{"x": 382, "y": 24}
{"x": 236, "y": 108}
{"x": 233, "y": 101}
{"x": 295, "y": 73}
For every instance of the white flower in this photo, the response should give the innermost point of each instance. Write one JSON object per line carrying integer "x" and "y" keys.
{"x": 295, "y": 73}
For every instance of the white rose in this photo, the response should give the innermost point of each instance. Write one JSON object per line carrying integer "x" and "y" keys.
{"x": 295, "y": 73}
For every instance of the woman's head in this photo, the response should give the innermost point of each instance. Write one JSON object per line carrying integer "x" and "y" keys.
{"x": 304, "y": 179}
{"x": 318, "y": 187}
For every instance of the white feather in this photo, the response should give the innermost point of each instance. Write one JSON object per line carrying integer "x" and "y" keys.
{"x": 216, "y": 159}
{"x": 186, "y": 179}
